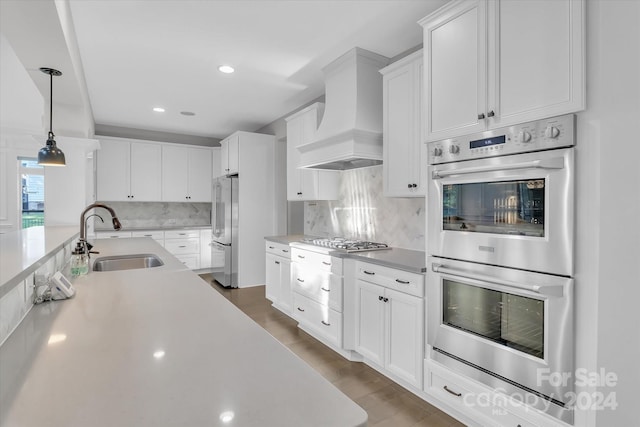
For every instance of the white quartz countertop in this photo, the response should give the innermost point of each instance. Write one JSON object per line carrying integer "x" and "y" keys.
{"x": 157, "y": 347}
{"x": 23, "y": 251}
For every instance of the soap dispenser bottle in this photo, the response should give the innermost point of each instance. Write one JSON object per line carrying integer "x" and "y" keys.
{"x": 79, "y": 261}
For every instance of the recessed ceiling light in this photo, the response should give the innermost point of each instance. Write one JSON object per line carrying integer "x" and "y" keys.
{"x": 158, "y": 109}
{"x": 187, "y": 113}
{"x": 227, "y": 69}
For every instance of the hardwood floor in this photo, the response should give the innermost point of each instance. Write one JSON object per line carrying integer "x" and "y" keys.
{"x": 387, "y": 404}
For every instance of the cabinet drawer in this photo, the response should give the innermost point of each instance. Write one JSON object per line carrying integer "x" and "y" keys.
{"x": 154, "y": 234}
{"x": 278, "y": 249}
{"x": 181, "y": 234}
{"x": 318, "y": 261}
{"x": 321, "y": 286}
{"x": 326, "y": 322}
{"x": 192, "y": 262}
{"x": 112, "y": 235}
{"x": 183, "y": 246}
{"x": 476, "y": 401}
{"x": 400, "y": 280}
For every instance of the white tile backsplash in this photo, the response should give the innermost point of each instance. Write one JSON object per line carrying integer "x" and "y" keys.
{"x": 363, "y": 212}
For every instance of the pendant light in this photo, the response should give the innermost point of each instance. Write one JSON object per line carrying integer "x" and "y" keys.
{"x": 51, "y": 155}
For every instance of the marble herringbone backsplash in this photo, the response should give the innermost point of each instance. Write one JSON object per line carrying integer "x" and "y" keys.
{"x": 364, "y": 212}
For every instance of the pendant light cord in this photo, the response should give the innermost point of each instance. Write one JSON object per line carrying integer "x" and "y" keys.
{"x": 51, "y": 103}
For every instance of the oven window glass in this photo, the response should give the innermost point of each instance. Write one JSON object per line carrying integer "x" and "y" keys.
{"x": 506, "y": 207}
{"x": 511, "y": 320}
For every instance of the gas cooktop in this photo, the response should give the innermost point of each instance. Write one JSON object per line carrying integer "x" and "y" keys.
{"x": 346, "y": 245}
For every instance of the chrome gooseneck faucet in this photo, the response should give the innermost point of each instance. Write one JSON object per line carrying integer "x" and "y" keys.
{"x": 83, "y": 245}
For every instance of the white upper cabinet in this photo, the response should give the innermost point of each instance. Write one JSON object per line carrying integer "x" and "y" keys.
{"x": 307, "y": 184}
{"x": 402, "y": 111}
{"x": 229, "y": 156}
{"x": 496, "y": 63}
{"x": 186, "y": 174}
{"x": 128, "y": 171}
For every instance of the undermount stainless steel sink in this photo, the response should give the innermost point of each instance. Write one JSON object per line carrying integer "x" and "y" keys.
{"x": 126, "y": 262}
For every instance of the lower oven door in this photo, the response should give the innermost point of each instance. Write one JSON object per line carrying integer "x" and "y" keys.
{"x": 515, "y": 211}
{"x": 510, "y": 329}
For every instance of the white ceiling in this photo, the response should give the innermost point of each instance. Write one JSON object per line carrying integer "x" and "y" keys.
{"x": 138, "y": 54}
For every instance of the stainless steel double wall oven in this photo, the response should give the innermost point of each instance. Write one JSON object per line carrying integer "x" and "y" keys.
{"x": 500, "y": 288}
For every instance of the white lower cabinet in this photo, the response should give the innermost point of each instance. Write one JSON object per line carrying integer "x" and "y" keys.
{"x": 278, "y": 276}
{"x": 318, "y": 319}
{"x": 157, "y": 235}
{"x": 190, "y": 246}
{"x": 316, "y": 283}
{"x": 112, "y": 234}
{"x": 205, "y": 248}
{"x": 390, "y": 322}
{"x": 184, "y": 245}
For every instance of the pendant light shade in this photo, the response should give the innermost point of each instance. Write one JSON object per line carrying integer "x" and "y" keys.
{"x": 51, "y": 155}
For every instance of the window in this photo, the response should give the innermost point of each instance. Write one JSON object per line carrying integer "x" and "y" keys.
{"x": 32, "y": 185}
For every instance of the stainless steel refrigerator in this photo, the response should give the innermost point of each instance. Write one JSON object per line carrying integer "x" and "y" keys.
{"x": 224, "y": 221}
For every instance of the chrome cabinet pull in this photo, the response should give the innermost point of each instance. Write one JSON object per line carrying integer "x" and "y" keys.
{"x": 326, "y": 290}
{"x": 491, "y": 114}
{"x": 452, "y": 392}
{"x": 385, "y": 299}
{"x": 300, "y": 309}
{"x": 277, "y": 262}
{"x": 380, "y": 298}
{"x": 325, "y": 323}
{"x": 402, "y": 281}
{"x": 480, "y": 116}
{"x": 285, "y": 250}
{"x": 371, "y": 273}
{"x": 271, "y": 247}
{"x": 300, "y": 280}
{"x": 301, "y": 256}
{"x": 326, "y": 263}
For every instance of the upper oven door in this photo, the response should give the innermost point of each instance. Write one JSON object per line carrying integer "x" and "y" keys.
{"x": 512, "y": 211}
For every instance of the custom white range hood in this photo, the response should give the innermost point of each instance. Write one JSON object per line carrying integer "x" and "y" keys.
{"x": 350, "y": 135}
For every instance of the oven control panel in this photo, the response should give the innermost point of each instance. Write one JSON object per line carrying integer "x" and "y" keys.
{"x": 555, "y": 132}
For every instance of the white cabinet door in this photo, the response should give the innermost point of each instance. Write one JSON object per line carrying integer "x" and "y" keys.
{"x": 404, "y": 350}
{"x": 370, "y": 321}
{"x": 146, "y": 172}
{"x": 455, "y": 70}
{"x": 307, "y": 184}
{"x": 402, "y": 110}
{"x": 230, "y": 155}
{"x": 186, "y": 174}
{"x": 509, "y": 62}
{"x": 199, "y": 175}
{"x": 175, "y": 184}
{"x": 112, "y": 171}
{"x": 272, "y": 277}
{"x": 205, "y": 248}
{"x": 535, "y": 70}
{"x": 286, "y": 297}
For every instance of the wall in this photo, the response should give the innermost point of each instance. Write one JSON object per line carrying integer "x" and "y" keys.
{"x": 364, "y": 212}
{"x": 608, "y": 208}
{"x": 157, "y": 214}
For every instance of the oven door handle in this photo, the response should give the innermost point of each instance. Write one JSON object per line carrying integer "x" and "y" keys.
{"x": 550, "y": 290}
{"x": 553, "y": 163}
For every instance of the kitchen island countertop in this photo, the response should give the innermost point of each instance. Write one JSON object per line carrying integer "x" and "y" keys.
{"x": 157, "y": 347}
